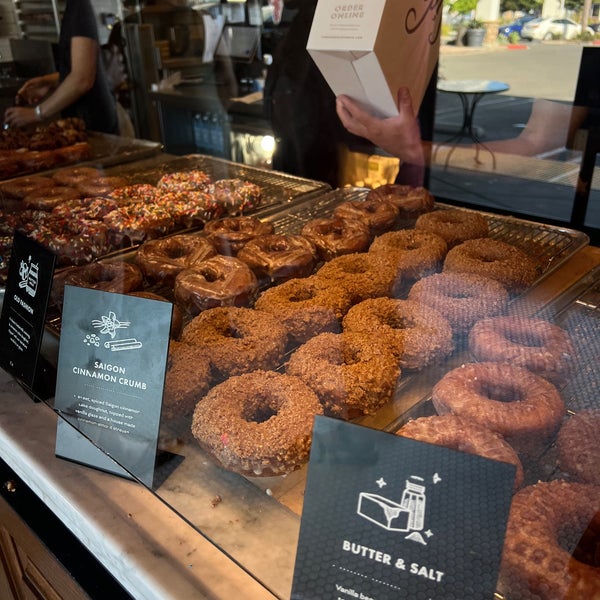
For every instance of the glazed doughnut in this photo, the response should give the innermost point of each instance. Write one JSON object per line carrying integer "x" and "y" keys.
{"x": 180, "y": 181}
{"x": 416, "y": 253}
{"x": 136, "y": 192}
{"x": 235, "y": 195}
{"x": 508, "y": 399}
{"x": 230, "y": 234}
{"x": 410, "y": 201}
{"x": 138, "y": 222}
{"x": 49, "y": 197}
{"x": 551, "y": 543}
{"x": 306, "y": 307}
{"x": 535, "y": 344}
{"x": 237, "y": 340}
{"x": 577, "y": 445}
{"x": 334, "y": 236}
{"x": 379, "y": 215}
{"x": 277, "y": 257}
{"x": 73, "y": 176}
{"x": 363, "y": 275}
{"x": 23, "y": 186}
{"x": 258, "y": 423}
{"x": 351, "y": 373}
{"x": 463, "y": 298}
{"x": 454, "y": 225}
{"x": 187, "y": 379}
{"x": 494, "y": 259}
{"x": 101, "y": 186}
{"x": 190, "y": 208}
{"x": 119, "y": 277}
{"x": 460, "y": 434}
{"x": 176, "y": 315}
{"x": 417, "y": 334}
{"x": 216, "y": 281}
{"x": 162, "y": 259}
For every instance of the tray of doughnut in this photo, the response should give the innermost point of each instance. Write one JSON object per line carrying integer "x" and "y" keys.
{"x": 85, "y": 212}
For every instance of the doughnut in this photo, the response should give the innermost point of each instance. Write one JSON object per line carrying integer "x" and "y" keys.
{"x": 180, "y": 181}
{"x": 136, "y": 192}
{"x": 577, "y": 445}
{"x": 237, "y": 340}
{"x": 494, "y": 259}
{"x": 463, "y": 298}
{"x": 351, "y": 373}
{"x": 416, "y": 253}
{"x": 278, "y": 257}
{"x": 460, "y": 434}
{"x": 48, "y": 198}
{"x": 191, "y": 208}
{"x": 230, "y": 234}
{"x": 101, "y": 186}
{"x": 73, "y": 153}
{"x": 187, "y": 379}
{"x": 410, "y": 201}
{"x": 306, "y": 307}
{"x": 119, "y": 277}
{"x": 139, "y": 222}
{"x": 417, "y": 334}
{"x": 73, "y": 176}
{"x": 551, "y": 543}
{"x": 162, "y": 259}
{"x": 363, "y": 275}
{"x": 535, "y": 344}
{"x": 454, "y": 225}
{"x": 236, "y": 196}
{"x": 217, "y": 281}
{"x": 508, "y": 399}
{"x": 334, "y": 236}
{"x": 257, "y": 424}
{"x": 176, "y": 316}
{"x": 23, "y": 186}
{"x": 379, "y": 215}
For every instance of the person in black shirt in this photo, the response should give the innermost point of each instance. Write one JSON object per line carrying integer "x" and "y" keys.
{"x": 79, "y": 88}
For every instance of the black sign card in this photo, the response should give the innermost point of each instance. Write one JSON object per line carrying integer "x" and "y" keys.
{"x": 111, "y": 370}
{"x": 386, "y": 517}
{"x": 23, "y": 318}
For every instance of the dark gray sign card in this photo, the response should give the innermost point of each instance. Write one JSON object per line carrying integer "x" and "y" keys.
{"x": 386, "y": 517}
{"x": 23, "y": 318}
{"x": 110, "y": 380}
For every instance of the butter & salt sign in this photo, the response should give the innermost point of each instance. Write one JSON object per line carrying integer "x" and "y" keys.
{"x": 386, "y": 517}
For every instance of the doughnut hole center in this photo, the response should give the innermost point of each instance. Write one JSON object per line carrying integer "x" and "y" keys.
{"x": 176, "y": 252}
{"x": 587, "y": 547}
{"x": 522, "y": 338}
{"x": 484, "y": 258}
{"x": 259, "y": 411}
{"x": 501, "y": 392}
{"x": 229, "y": 331}
{"x": 351, "y": 356}
{"x": 301, "y": 296}
{"x": 396, "y": 321}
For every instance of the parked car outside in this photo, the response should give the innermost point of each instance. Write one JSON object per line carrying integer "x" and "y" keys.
{"x": 515, "y": 26}
{"x": 548, "y": 29}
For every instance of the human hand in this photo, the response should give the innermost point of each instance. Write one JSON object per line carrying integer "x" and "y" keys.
{"x": 34, "y": 91}
{"x": 399, "y": 135}
{"x": 19, "y": 116}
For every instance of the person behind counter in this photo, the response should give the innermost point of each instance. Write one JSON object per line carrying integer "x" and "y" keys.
{"x": 79, "y": 88}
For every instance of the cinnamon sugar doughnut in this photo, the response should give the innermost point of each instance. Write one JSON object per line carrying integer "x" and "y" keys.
{"x": 363, "y": 275}
{"x": 494, "y": 259}
{"x": 379, "y": 215}
{"x": 461, "y": 434}
{"x": 231, "y": 233}
{"x": 237, "y": 340}
{"x": 551, "y": 543}
{"x": 535, "y": 344}
{"x": 258, "y": 423}
{"x": 416, "y": 253}
{"x": 418, "y": 335}
{"x": 351, "y": 373}
{"x": 463, "y": 298}
{"x": 119, "y": 277}
{"x": 508, "y": 399}
{"x": 334, "y": 236}
{"x": 163, "y": 259}
{"x": 187, "y": 379}
{"x": 410, "y": 201}
{"x": 454, "y": 225}
{"x": 217, "y": 281}
{"x": 278, "y": 257}
{"x": 578, "y": 449}
{"x": 306, "y": 307}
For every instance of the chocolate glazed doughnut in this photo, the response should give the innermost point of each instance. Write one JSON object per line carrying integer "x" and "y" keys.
{"x": 410, "y": 201}
{"x": 379, "y": 215}
{"x": 334, "y": 236}
{"x": 119, "y": 277}
{"x": 230, "y": 234}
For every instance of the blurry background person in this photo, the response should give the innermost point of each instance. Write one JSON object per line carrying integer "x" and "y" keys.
{"x": 79, "y": 88}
